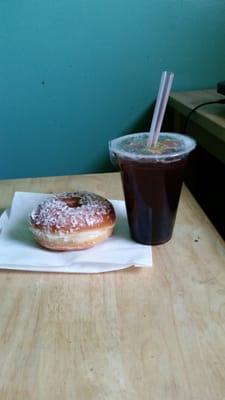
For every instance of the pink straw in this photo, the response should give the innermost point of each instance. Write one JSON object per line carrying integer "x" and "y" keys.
{"x": 160, "y": 107}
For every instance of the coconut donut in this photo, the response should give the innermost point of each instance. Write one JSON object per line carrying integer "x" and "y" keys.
{"x": 72, "y": 221}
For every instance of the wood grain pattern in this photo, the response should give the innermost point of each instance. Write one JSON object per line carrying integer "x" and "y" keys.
{"x": 133, "y": 334}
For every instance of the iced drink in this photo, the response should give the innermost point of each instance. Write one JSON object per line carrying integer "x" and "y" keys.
{"x": 152, "y": 180}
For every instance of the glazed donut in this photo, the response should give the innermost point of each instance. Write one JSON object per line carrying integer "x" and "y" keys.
{"x": 72, "y": 221}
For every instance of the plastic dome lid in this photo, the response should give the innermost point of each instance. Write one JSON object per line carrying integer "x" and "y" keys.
{"x": 135, "y": 146}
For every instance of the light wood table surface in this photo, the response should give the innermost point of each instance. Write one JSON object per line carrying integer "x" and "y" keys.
{"x": 148, "y": 334}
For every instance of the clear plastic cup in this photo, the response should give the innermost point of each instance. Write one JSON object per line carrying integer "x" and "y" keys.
{"x": 152, "y": 179}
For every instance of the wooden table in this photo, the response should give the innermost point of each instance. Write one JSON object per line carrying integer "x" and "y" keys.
{"x": 148, "y": 334}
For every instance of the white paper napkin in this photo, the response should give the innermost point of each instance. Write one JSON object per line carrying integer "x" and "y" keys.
{"x": 19, "y": 251}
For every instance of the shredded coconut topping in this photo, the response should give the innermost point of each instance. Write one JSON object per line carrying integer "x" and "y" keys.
{"x": 70, "y": 212}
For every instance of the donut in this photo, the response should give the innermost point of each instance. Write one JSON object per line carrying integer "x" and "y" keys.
{"x": 72, "y": 221}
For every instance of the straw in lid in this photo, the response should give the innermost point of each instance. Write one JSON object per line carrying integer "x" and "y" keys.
{"x": 135, "y": 146}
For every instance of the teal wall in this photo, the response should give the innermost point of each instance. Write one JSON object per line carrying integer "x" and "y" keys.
{"x": 75, "y": 73}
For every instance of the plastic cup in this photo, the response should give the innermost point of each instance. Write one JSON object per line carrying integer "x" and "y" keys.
{"x": 152, "y": 178}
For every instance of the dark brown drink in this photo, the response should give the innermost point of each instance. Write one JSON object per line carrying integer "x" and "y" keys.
{"x": 152, "y": 192}
{"x": 152, "y": 178}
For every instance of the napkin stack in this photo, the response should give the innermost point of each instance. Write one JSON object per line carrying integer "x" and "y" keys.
{"x": 19, "y": 251}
